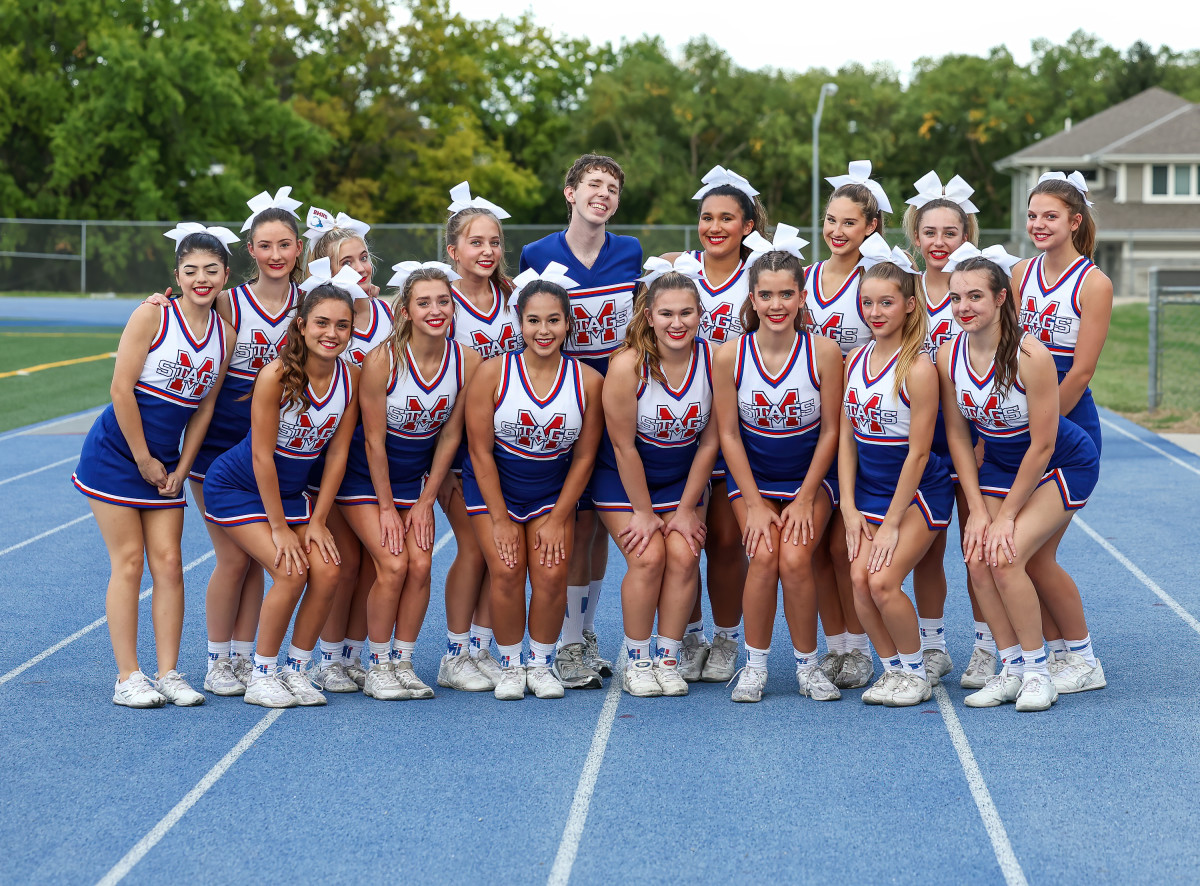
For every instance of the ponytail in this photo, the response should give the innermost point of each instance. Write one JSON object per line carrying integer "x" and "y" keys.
{"x": 1083, "y": 238}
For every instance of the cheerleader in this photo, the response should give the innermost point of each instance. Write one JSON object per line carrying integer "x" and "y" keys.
{"x": 895, "y": 497}
{"x": 607, "y": 266}
{"x": 170, "y": 365}
{"x": 938, "y": 221}
{"x": 412, "y": 422}
{"x": 776, "y": 393}
{"x": 854, "y": 212}
{"x": 653, "y": 470}
{"x": 534, "y": 420}
{"x": 342, "y": 240}
{"x": 729, "y": 212}
{"x": 486, "y": 322}
{"x": 304, "y": 403}
{"x": 1038, "y": 468}
{"x": 1066, "y": 303}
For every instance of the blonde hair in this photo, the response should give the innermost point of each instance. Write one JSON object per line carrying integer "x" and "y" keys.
{"x": 916, "y": 326}
{"x": 330, "y": 243}
{"x": 639, "y": 335}
{"x": 914, "y": 214}
{"x": 457, "y": 225}
{"x": 401, "y": 333}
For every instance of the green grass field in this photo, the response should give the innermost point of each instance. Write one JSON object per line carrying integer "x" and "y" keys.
{"x": 1119, "y": 384}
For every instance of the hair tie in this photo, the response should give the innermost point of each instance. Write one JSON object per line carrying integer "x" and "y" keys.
{"x": 719, "y": 176}
{"x": 319, "y": 273}
{"x": 929, "y": 187}
{"x": 320, "y": 222}
{"x": 406, "y": 269}
{"x": 184, "y": 229}
{"x": 787, "y": 239}
{"x": 860, "y": 174}
{"x": 553, "y": 273}
{"x": 260, "y": 203}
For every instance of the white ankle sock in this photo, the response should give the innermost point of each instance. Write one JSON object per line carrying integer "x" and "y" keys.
{"x": 838, "y": 643}
{"x": 330, "y": 653}
{"x": 757, "y": 658}
{"x": 637, "y": 650}
{"x": 265, "y": 664}
{"x": 481, "y": 640}
{"x": 804, "y": 659}
{"x": 216, "y": 652}
{"x": 1011, "y": 658}
{"x": 456, "y": 644}
{"x": 1083, "y": 647}
{"x": 914, "y": 663}
{"x": 983, "y": 637}
{"x": 593, "y": 603}
{"x": 510, "y": 656}
{"x": 297, "y": 658}
{"x": 402, "y": 650}
{"x": 380, "y": 652}
{"x": 573, "y": 621}
{"x": 734, "y": 633}
{"x": 859, "y": 643}
{"x": 696, "y": 627}
{"x": 933, "y": 633}
{"x": 1035, "y": 662}
{"x": 244, "y": 648}
{"x": 540, "y": 654}
{"x": 668, "y": 648}
{"x": 351, "y": 649}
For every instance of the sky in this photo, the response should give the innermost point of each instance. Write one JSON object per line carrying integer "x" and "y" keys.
{"x": 801, "y": 35}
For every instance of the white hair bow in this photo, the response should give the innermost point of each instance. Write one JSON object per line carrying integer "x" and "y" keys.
{"x": 347, "y": 278}
{"x": 1075, "y": 178}
{"x": 860, "y": 174}
{"x": 686, "y": 264}
{"x": 405, "y": 269}
{"x": 718, "y": 176}
{"x": 787, "y": 239}
{"x": 553, "y": 273}
{"x": 183, "y": 229}
{"x": 875, "y": 252}
{"x": 995, "y": 254}
{"x": 929, "y": 187}
{"x": 460, "y": 199}
{"x": 264, "y": 201}
{"x": 320, "y": 222}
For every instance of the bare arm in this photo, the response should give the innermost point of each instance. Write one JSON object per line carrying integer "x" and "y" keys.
{"x": 1095, "y": 314}
{"x": 135, "y": 342}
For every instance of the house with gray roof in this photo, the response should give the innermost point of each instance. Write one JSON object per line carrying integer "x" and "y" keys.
{"x": 1141, "y": 159}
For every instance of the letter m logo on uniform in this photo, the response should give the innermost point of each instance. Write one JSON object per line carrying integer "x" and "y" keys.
{"x": 784, "y": 414}
{"x": 989, "y": 411}
{"x": 312, "y": 437}
{"x": 1039, "y": 322}
{"x": 669, "y": 424}
{"x": 262, "y": 349}
{"x": 185, "y": 376}
{"x": 597, "y": 328}
{"x": 531, "y": 435}
{"x": 868, "y": 412}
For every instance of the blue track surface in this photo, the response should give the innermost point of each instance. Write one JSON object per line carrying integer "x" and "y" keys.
{"x": 1100, "y": 789}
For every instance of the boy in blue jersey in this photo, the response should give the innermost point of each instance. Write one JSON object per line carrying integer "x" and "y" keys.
{"x": 606, "y": 267}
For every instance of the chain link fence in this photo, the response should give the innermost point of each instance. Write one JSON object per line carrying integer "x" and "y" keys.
{"x": 1174, "y": 342}
{"x": 134, "y": 258}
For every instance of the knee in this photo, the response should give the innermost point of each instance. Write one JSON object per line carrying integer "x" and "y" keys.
{"x": 795, "y": 562}
{"x": 419, "y": 565}
{"x": 881, "y": 587}
{"x": 1008, "y": 575}
{"x": 390, "y": 572}
{"x": 128, "y": 565}
{"x": 652, "y": 561}
{"x": 860, "y": 584}
{"x": 979, "y": 573}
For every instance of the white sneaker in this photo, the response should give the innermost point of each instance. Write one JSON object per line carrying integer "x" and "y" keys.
{"x": 878, "y": 691}
{"x": 666, "y": 671}
{"x": 693, "y": 653}
{"x": 592, "y": 659}
{"x": 1037, "y": 693}
{"x": 543, "y": 682}
{"x": 999, "y": 689}
{"x": 243, "y": 668}
{"x": 639, "y": 680}
{"x": 815, "y": 684}
{"x": 831, "y": 664}
{"x": 176, "y": 690}
{"x": 750, "y": 684}
{"x": 269, "y": 691}
{"x": 488, "y": 666}
{"x": 907, "y": 690}
{"x": 298, "y": 683}
{"x": 512, "y": 683}
{"x": 857, "y": 670}
{"x": 721, "y": 666}
{"x": 333, "y": 678}
{"x": 980, "y": 669}
{"x": 382, "y": 684}
{"x": 137, "y": 691}
{"x": 220, "y": 679}
{"x": 937, "y": 665}
{"x": 459, "y": 672}
{"x": 1074, "y": 674}
{"x": 409, "y": 680}
{"x": 355, "y": 671}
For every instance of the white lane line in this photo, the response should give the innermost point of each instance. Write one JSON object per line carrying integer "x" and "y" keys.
{"x": 441, "y": 543}
{"x": 568, "y": 847}
{"x": 160, "y": 830}
{"x": 46, "y": 653}
{"x": 39, "y": 470}
{"x": 42, "y": 535}
{"x": 1179, "y": 461}
{"x": 1139, "y": 575}
{"x": 1009, "y": 866}
{"x": 49, "y": 424}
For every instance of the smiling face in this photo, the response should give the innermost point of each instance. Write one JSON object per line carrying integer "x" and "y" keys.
{"x": 352, "y": 253}
{"x": 430, "y": 308}
{"x": 275, "y": 248}
{"x": 777, "y": 299}
{"x": 595, "y": 198}
{"x": 201, "y": 277}
{"x": 974, "y": 304}
{"x": 1049, "y": 221}
{"x": 327, "y": 328}
{"x": 478, "y": 248}
{"x": 884, "y": 307}
{"x": 939, "y": 233}
{"x": 722, "y": 226}
{"x": 675, "y": 318}
{"x": 846, "y": 227}
{"x": 544, "y": 323}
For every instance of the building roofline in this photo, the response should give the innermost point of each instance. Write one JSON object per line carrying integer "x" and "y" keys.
{"x": 1182, "y": 109}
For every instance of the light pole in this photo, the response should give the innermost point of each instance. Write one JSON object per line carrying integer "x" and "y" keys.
{"x": 826, "y": 89}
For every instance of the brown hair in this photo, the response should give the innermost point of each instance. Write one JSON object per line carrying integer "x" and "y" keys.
{"x": 294, "y": 353}
{"x": 861, "y": 196}
{"x": 1083, "y": 238}
{"x": 545, "y": 287}
{"x": 916, "y": 324}
{"x": 914, "y": 214}
{"x": 776, "y": 260}
{"x": 458, "y": 224}
{"x": 1011, "y": 332}
{"x": 275, "y": 214}
{"x": 639, "y": 336}
{"x": 586, "y": 164}
{"x": 401, "y": 333}
{"x": 752, "y": 210}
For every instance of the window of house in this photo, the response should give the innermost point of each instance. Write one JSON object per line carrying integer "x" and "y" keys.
{"x": 1174, "y": 181}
